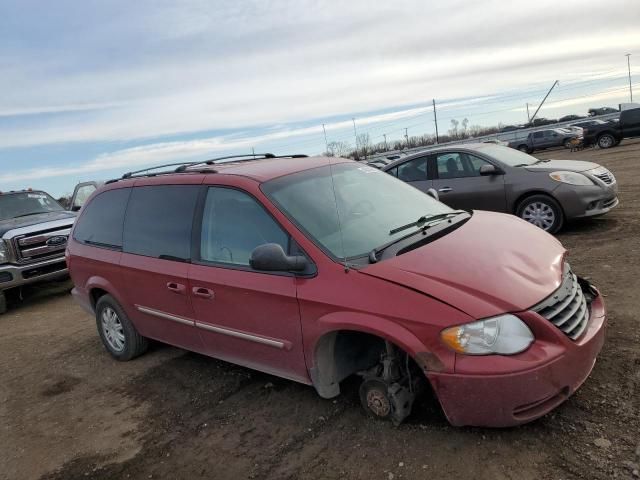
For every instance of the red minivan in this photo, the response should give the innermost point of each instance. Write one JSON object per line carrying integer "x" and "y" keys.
{"x": 316, "y": 269}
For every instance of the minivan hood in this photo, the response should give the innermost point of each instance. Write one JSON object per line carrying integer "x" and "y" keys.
{"x": 494, "y": 263}
{"x": 567, "y": 165}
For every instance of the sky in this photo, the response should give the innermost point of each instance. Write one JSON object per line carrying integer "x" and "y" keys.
{"x": 93, "y": 89}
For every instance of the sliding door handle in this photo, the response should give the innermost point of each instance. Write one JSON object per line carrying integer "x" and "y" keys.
{"x": 176, "y": 287}
{"x": 202, "y": 292}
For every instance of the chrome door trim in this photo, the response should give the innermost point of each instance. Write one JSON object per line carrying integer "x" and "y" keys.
{"x": 166, "y": 316}
{"x": 244, "y": 336}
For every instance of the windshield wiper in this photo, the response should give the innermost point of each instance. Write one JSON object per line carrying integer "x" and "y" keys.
{"x": 542, "y": 160}
{"x": 422, "y": 221}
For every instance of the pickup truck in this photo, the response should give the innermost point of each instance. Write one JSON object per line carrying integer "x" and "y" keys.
{"x": 610, "y": 134}
{"x": 33, "y": 236}
{"x": 541, "y": 139}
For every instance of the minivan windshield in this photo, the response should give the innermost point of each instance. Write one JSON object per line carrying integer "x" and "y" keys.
{"x": 507, "y": 155}
{"x": 349, "y": 209}
{"x": 22, "y": 204}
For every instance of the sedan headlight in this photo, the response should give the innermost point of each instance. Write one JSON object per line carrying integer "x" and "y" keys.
{"x": 504, "y": 335}
{"x": 4, "y": 252}
{"x": 572, "y": 178}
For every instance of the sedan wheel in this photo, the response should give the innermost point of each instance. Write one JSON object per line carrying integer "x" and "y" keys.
{"x": 541, "y": 211}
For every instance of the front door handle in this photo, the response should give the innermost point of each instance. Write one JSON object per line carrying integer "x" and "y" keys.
{"x": 202, "y": 292}
{"x": 445, "y": 189}
{"x": 176, "y": 287}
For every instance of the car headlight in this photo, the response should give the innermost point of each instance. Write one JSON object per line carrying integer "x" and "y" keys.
{"x": 504, "y": 335}
{"x": 4, "y": 252}
{"x": 572, "y": 178}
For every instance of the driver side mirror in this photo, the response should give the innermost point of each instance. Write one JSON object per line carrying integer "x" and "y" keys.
{"x": 433, "y": 193}
{"x": 489, "y": 169}
{"x": 75, "y": 208}
{"x": 270, "y": 257}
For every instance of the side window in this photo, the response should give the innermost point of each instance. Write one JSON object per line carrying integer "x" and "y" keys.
{"x": 81, "y": 196}
{"x": 101, "y": 222}
{"x": 233, "y": 224}
{"x": 538, "y": 134}
{"x": 631, "y": 116}
{"x": 159, "y": 220}
{"x": 450, "y": 165}
{"x": 474, "y": 163}
{"x": 413, "y": 170}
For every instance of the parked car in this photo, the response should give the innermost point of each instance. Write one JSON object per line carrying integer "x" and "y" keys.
{"x": 541, "y": 121}
{"x": 33, "y": 235}
{"x": 593, "y": 112}
{"x": 569, "y": 118}
{"x": 543, "y": 139}
{"x": 510, "y": 128}
{"x": 545, "y": 193}
{"x": 588, "y": 123}
{"x": 610, "y": 134}
{"x": 318, "y": 269}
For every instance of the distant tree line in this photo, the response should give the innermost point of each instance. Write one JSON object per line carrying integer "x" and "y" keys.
{"x": 365, "y": 148}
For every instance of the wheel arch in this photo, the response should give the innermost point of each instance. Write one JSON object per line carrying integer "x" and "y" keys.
{"x": 97, "y": 287}
{"x": 350, "y": 343}
{"x": 531, "y": 193}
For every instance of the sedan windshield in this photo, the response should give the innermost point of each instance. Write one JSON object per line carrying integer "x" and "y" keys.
{"x": 508, "y": 156}
{"x": 349, "y": 209}
{"x": 22, "y": 204}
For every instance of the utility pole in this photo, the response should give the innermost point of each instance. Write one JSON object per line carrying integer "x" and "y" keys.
{"x": 326, "y": 144}
{"x": 528, "y": 117}
{"x": 543, "y": 100}
{"x": 406, "y": 136}
{"x": 435, "y": 119}
{"x": 355, "y": 135}
{"x": 253, "y": 152}
{"x": 629, "y": 68}
{"x": 385, "y": 142}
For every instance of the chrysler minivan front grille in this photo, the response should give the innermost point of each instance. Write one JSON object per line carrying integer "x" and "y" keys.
{"x": 567, "y": 307}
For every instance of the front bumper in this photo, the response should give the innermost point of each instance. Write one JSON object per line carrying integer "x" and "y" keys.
{"x": 586, "y": 201}
{"x": 17, "y": 275}
{"x": 540, "y": 379}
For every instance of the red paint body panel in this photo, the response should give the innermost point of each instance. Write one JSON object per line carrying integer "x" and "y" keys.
{"x": 528, "y": 385}
{"x": 489, "y": 266}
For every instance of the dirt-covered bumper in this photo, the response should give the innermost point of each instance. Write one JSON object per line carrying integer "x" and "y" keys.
{"x": 512, "y": 390}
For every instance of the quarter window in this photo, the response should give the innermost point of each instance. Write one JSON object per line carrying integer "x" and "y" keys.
{"x": 233, "y": 225}
{"x": 159, "y": 221}
{"x": 101, "y": 222}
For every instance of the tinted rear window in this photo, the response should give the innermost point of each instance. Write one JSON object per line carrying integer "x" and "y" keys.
{"x": 101, "y": 222}
{"x": 159, "y": 221}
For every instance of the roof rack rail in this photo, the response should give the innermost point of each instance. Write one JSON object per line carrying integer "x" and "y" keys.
{"x": 136, "y": 172}
{"x": 238, "y": 158}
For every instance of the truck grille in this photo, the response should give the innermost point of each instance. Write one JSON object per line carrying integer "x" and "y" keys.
{"x": 605, "y": 175}
{"x": 567, "y": 307}
{"x": 41, "y": 245}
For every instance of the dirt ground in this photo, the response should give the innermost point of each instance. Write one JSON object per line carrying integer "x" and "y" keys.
{"x": 68, "y": 411}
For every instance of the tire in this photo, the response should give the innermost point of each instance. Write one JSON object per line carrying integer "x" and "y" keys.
{"x": 524, "y": 148}
{"x": 119, "y": 337}
{"x": 374, "y": 397}
{"x": 606, "y": 140}
{"x": 541, "y": 211}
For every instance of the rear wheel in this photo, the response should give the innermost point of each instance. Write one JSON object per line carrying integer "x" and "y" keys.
{"x": 606, "y": 141}
{"x": 524, "y": 148}
{"x": 118, "y": 335}
{"x": 541, "y": 211}
{"x": 3, "y": 303}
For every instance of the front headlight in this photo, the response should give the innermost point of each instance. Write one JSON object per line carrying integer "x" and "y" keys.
{"x": 572, "y": 178}
{"x": 504, "y": 335}
{"x": 4, "y": 252}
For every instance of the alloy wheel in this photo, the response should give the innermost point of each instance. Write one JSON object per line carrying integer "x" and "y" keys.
{"x": 112, "y": 329}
